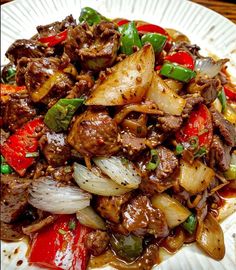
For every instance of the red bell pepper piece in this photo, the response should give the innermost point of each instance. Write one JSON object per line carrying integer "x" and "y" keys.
{"x": 54, "y": 40}
{"x": 230, "y": 92}
{"x": 57, "y": 246}
{"x": 158, "y": 67}
{"x": 151, "y": 28}
{"x": 199, "y": 125}
{"x": 182, "y": 58}
{"x": 19, "y": 144}
{"x": 121, "y": 22}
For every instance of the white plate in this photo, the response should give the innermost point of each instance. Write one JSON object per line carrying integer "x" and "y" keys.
{"x": 211, "y": 31}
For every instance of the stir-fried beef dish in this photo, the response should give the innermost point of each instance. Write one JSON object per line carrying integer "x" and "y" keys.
{"x": 117, "y": 139}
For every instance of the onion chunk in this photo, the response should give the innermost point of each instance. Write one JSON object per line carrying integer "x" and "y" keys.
{"x": 123, "y": 174}
{"x": 50, "y": 196}
{"x": 174, "y": 211}
{"x": 96, "y": 184}
{"x": 196, "y": 177}
{"x": 210, "y": 237}
{"x": 90, "y": 218}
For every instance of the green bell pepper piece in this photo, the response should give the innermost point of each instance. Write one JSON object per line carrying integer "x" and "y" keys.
{"x": 177, "y": 72}
{"x": 6, "y": 169}
{"x": 158, "y": 41}
{"x": 129, "y": 38}
{"x": 58, "y": 117}
{"x": 190, "y": 224}
{"x": 127, "y": 247}
{"x": 222, "y": 98}
{"x": 8, "y": 74}
{"x": 91, "y": 16}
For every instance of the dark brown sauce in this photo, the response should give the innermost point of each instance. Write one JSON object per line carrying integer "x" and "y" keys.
{"x": 144, "y": 262}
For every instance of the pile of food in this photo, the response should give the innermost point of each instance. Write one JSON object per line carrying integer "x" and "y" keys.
{"x": 118, "y": 140}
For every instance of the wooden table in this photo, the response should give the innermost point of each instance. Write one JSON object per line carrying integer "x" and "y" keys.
{"x": 224, "y": 8}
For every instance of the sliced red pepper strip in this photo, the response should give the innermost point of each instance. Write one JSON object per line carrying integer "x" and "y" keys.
{"x": 181, "y": 58}
{"x": 19, "y": 144}
{"x": 198, "y": 125}
{"x": 230, "y": 92}
{"x": 151, "y": 28}
{"x": 54, "y": 40}
{"x": 121, "y": 22}
{"x": 59, "y": 247}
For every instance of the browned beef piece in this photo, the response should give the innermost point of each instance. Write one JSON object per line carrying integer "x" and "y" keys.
{"x": 97, "y": 242}
{"x": 225, "y": 128}
{"x": 21, "y": 69}
{"x": 55, "y": 148}
{"x": 168, "y": 162}
{"x": 38, "y": 72}
{"x": 27, "y": 48}
{"x": 139, "y": 217}
{"x": 77, "y": 37}
{"x": 110, "y": 207}
{"x": 208, "y": 88}
{"x": 103, "y": 52}
{"x": 170, "y": 123}
{"x": 56, "y": 27}
{"x": 13, "y": 197}
{"x": 131, "y": 144}
{"x": 219, "y": 155}
{"x": 96, "y": 48}
{"x": 94, "y": 133}
{"x": 191, "y": 101}
{"x": 17, "y": 110}
{"x": 160, "y": 180}
{"x": 82, "y": 87}
{"x": 155, "y": 137}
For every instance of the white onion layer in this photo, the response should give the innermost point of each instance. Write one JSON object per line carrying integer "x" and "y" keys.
{"x": 207, "y": 66}
{"x": 95, "y": 184}
{"x": 123, "y": 174}
{"x": 48, "y": 195}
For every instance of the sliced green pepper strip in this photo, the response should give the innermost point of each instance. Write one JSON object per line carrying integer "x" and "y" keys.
{"x": 127, "y": 247}
{"x": 190, "y": 224}
{"x": 91, "y": 16}
{"x": 222, "y": 98}
{"x": 158, "y": 41}
{"x": 177, "y": 72}
{"x": 129, "y": 38}
{"x": 59, "y": 116}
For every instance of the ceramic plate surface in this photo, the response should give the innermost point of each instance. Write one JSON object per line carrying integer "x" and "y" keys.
{"x": 215, "y": 35}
